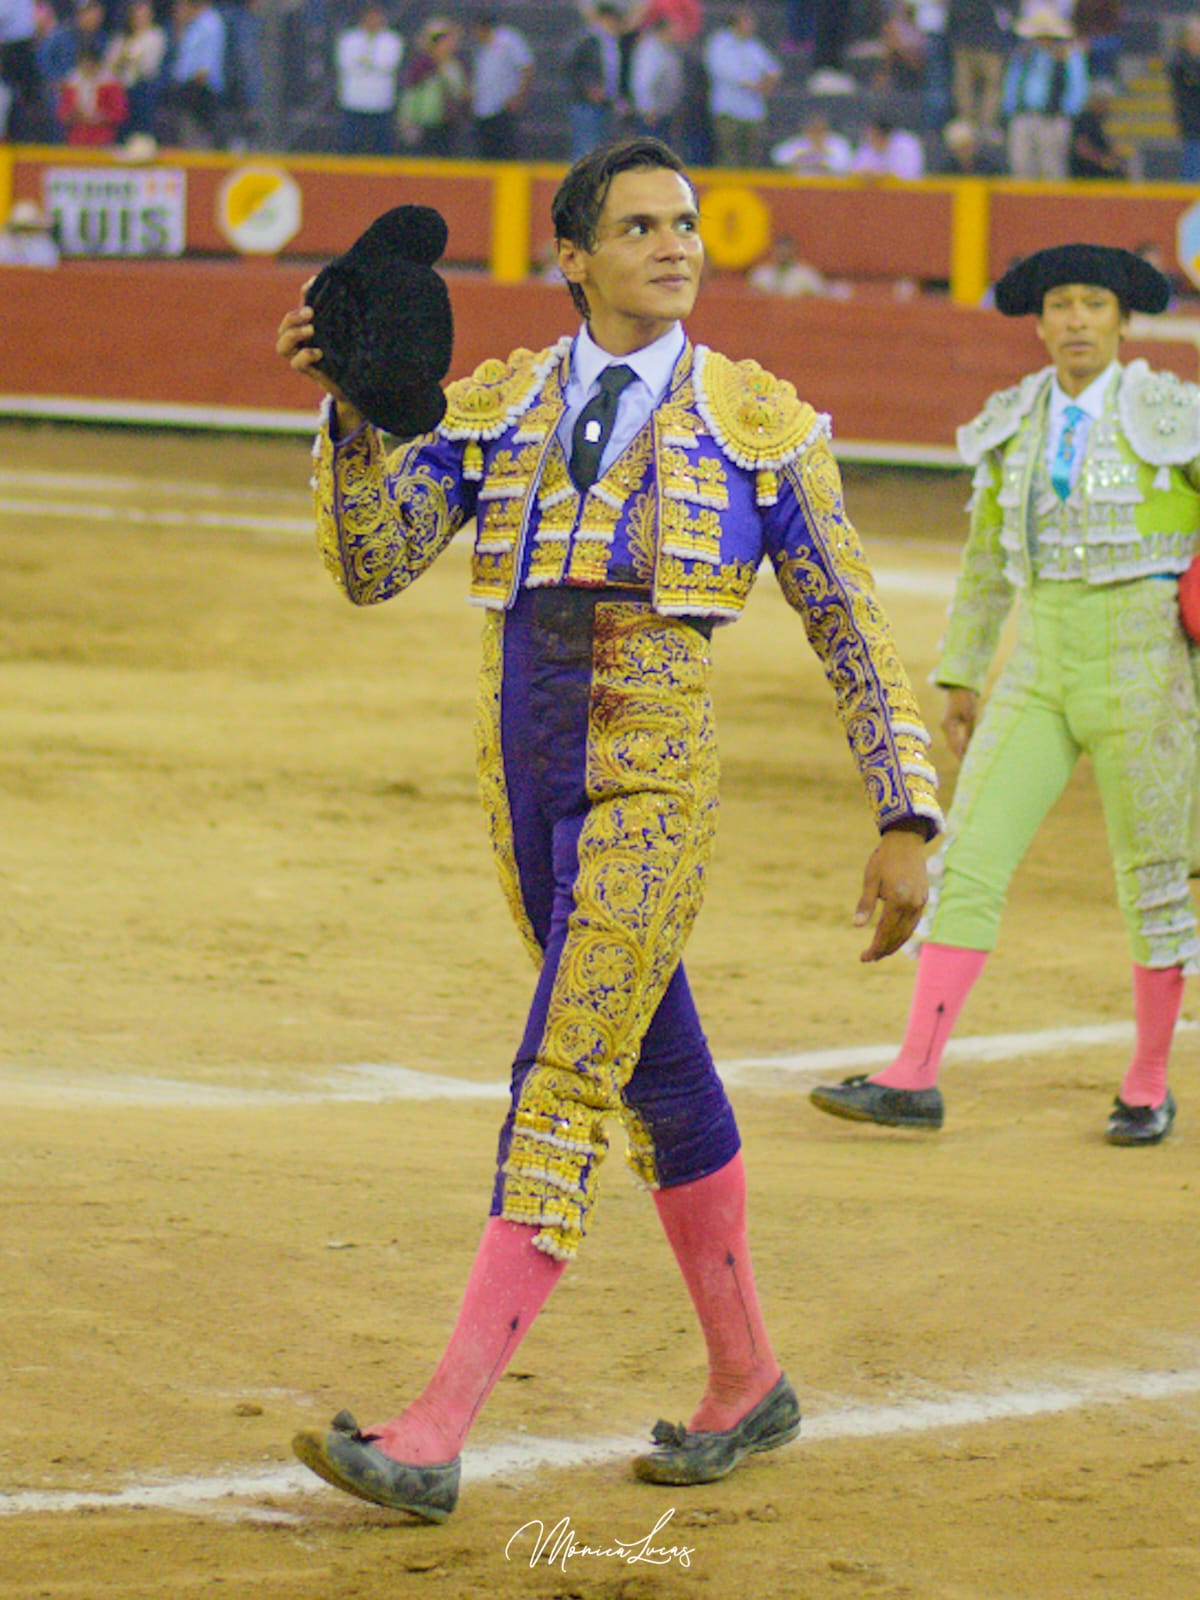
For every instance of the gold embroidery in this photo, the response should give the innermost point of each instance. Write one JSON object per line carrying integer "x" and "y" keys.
{"x": 493, "y": 790}
{"x": 757, "y": 419}
{"x": 703, "y": 480}
{"x": 695, "y": 535}
{"x": 499, "y": 522}
{"x": 497, "y": 393}
{"x": 720, "y": 591}
{"x": 491, "y": 576}
{"x": 832, "y": 589}
{"x": 380, "y": 524}
{"x": 642, "y": 532}
{"x": 592, "y": 546}
{"x": 546, "y": 561}
{"x": 643, "y": 851}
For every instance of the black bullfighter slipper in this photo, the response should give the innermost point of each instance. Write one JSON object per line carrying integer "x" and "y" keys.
{"x": 350, "y": 1460}
{"x": 684, "y": 1457}
{"x": 1140, "y": 1124}
{"x": 863, "y": 1101}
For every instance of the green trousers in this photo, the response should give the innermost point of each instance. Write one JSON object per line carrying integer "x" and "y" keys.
{"x": 1102, "y": 671}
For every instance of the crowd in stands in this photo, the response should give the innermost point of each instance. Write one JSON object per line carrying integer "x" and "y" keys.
{"x": 1022, "y": 88}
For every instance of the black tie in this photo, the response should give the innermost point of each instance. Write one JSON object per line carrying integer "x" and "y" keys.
{"x": 595, "y": 424}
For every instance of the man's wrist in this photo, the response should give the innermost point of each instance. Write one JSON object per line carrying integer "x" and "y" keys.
{"x": 917, "y": 825}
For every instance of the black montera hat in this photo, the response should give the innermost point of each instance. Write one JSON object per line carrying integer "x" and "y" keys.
{"x": 1138, "y": 285}
{"x": 383, "y": 324}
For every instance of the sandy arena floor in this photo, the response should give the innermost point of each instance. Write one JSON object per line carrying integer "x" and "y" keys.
{"x": 260, "y": 994}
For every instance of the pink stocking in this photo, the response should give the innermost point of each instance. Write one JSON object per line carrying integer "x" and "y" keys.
{"x": 1157, "y": 997}
{"x": 510, "y": 1282}
{"x": 705, "y": 1223}
{"x": 946, "y": 974}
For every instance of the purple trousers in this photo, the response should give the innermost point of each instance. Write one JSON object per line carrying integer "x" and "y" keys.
{"x": 598, "y": 769}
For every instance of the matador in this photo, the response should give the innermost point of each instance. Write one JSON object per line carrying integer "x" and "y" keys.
{"x": 624, "y": 487}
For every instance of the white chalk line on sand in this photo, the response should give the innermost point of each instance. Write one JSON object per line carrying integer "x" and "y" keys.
{"x": 376, "y": 1082}
{"x": 225, "y": 1494}
{"x": 932, "y": 582}
{"x": 163, "y": 517}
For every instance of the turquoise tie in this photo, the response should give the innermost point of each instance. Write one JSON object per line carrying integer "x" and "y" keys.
{"x": 1064, "y": 456}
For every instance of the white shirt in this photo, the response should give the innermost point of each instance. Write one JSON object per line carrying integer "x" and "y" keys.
{"x": 792, "y": 280}
{"x": 500, "y": 65}
{"x": 655, "y": 77}
{"x": 834, "y": 156}
{"x": 653, "y": 363}
{"x": 902, "y": 157}
{"x": 32, "y": 249}
{"x": 16, "y": 20}
{"x": 136, "y": 57}
{"x": 368, "y": 65}
{"x": 736, "y": 65}
{"x": 1090, "y": 402}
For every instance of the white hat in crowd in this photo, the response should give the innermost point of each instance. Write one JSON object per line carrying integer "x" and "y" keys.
{"x": 27, "y": 216}
{"x": 1044, "y": 22}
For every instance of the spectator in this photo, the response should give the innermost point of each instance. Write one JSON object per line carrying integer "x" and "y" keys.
{"x": 938, "y": 106}
{"x": 92, "y": 107}
{"x": 783, "y": 273}
{"x": 135, "y": 59}
{"x": 90, "y": 29}
{"x": 694, "y": 121}
{"x": 888, "y": 152}
{"x": 433, "y": 95}
{"x": 368, "y": 58}
{"x": 798, "y": 19}
{"x": 685, "y": 16}
{"x": 1098, "y": 24}
{"x": 902, "y": 43}
{"x": 500, "y": 80}
{"x": 196, "y": 75}
{"x": 1092, "y": 153}
{"x": 20, "y": 76}
{"x": 1045, "y": 88}
{"x": 27, "y": 238}
{"x": 979, "y": 44}
{"x": 1185, "y": 92}
{"x": 964, "y": 154}
{"x": 594, "y": 78}
{"x": 743, "y": 74}
{"x": 54, "y": 49}
{"x": 817, "y": 152}
{"x": 656, "y": 80}
{"x": 243, "y": 94}
{"x": 1180, "y": 289}
{"x": 831, "y": 27}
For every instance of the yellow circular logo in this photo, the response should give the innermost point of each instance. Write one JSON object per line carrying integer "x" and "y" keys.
{"x": 258, "y": 209}
{"x": 735, "y": 224}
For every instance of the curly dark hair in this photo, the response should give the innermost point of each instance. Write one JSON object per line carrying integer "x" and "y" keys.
{"x": 580, "y": 197}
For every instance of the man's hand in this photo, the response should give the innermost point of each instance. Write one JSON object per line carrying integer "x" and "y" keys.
{"x": 896, "y": 878}
{"x": 294, "y": 344}
{"x": 958, "y": 724}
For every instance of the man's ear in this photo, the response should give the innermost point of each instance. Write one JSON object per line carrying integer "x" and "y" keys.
{"x": 572, "y": 260}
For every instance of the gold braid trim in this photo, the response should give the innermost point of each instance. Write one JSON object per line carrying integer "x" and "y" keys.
{"x": 484, "y": 405}
{"x": 757, "y": 419}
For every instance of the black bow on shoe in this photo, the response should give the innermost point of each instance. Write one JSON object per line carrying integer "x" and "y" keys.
{"x": 673, "y": 1434}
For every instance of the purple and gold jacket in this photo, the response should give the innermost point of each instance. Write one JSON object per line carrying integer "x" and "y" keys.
{"x": 731, "y": 467}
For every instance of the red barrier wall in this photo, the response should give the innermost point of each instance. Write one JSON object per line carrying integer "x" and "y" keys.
{"x": 848, "y": 228}
{"x": 203, "y": 334}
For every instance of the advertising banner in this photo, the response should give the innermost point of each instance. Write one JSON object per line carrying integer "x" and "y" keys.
{"x": 108, "y": 211}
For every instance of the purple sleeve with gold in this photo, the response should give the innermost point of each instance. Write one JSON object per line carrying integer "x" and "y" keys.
{"x": 823, "y": 573}
{"x": 382, "y": 520}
